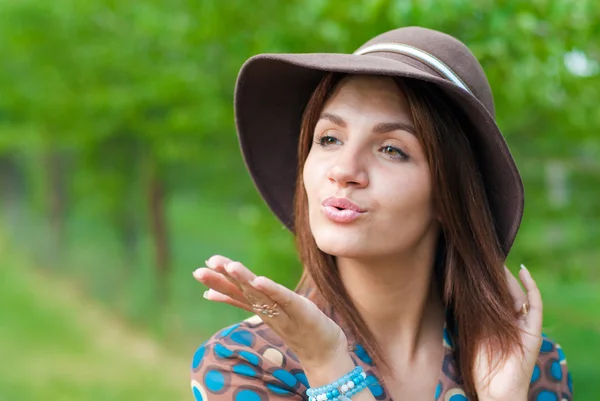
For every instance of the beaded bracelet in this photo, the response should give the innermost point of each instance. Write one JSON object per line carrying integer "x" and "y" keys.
{"x": 342, "y": 389}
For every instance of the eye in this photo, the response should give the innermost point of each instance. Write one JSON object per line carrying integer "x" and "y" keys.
{"x": 327, "y": 140}
{"x": 394, "y": 152}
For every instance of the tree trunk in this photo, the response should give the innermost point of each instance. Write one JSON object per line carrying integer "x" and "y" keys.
{"x": 11, "y": 190}
{"x": 55, "y": 166}
{"x": 158, "y": 226}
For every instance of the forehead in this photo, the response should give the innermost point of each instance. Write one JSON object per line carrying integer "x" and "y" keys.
{"x": 368, "y": 93}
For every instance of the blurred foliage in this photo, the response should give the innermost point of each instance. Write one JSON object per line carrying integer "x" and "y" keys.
{"x": 120, "y": 169}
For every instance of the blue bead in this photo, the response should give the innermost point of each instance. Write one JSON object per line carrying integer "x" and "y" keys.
{"x": 329, "y": 395}
{"x": 356, "y": 380}
{"x": 335, "y": 392}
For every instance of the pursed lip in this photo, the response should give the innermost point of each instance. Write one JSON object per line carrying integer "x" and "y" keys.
{"x": 342, "y": 203}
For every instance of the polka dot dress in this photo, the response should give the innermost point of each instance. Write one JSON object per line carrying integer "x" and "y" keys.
{"x": 249, "y": 362}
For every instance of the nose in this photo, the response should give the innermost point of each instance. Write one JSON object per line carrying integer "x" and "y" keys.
{"x": 348, "y": 169}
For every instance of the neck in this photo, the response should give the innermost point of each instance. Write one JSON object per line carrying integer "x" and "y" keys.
{"x": 397, "y": 299}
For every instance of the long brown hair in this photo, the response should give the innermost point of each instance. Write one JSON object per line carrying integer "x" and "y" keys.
{"x": 469, "y": 269}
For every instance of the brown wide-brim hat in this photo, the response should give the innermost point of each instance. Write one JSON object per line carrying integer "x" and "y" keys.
{"x": 272, "y": 91}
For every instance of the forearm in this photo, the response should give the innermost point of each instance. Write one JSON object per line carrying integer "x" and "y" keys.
{"x": 326, "y": 372}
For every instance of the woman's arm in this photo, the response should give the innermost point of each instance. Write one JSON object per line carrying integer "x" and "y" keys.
{"x": 317, "y": 342}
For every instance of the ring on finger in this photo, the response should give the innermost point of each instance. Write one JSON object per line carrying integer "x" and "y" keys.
{"x": 524, "y": 311}
{"x": 267, "y": 310}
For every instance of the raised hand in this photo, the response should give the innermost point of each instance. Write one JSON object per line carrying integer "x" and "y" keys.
{"x": 317, "y": 341}
{"x": 510, "y": 379}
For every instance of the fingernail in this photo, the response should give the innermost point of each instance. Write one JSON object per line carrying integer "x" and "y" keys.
{"x": 254, "y": 283}
{"x": 205, "y": 295}
{"x": 523, "y": 267}
{"x": 207, "y": 264}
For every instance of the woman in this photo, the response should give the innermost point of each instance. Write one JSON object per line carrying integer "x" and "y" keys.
{"x": 404, "y": 198}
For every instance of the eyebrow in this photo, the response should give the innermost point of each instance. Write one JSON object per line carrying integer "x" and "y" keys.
{"x": 380, "y": 128}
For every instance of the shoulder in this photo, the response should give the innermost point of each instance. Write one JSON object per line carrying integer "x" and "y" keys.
{"x": 551, "y": 377}
{"x": 246, "y": 362}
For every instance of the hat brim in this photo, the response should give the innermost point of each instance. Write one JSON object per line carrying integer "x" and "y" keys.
{"x": 272, "y": 91}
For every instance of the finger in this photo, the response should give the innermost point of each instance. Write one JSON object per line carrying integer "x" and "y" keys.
{"x": 518, "y": 295}
{"x": 217, "y": 263}
{"x": 243, "y": 277}
{"x": 216, "y": 296}
{"x": 219, "y": 283}
{"x": 534, "y": 297}
{"x": 239, "y": 272}
{"x": 291, "y": 303}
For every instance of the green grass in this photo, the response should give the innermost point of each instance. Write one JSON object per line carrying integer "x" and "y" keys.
{"x": 56, "y": 344}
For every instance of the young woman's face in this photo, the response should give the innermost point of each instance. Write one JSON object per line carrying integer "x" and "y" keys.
{"x": 366, "y": 176}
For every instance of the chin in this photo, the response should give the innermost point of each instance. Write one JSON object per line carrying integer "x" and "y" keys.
{"x": 341, "y": 241}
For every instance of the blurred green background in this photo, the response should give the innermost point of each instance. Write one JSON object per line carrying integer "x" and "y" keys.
{"x": 120, "y": 173}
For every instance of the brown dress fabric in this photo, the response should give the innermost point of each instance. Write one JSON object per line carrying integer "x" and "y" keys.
{"x": 249, "y": 362}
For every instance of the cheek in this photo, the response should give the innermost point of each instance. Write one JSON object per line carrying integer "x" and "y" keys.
{"x": 307, "y": 176}
{"x": 406, "y": 192}
{"x": 312, "y": 175}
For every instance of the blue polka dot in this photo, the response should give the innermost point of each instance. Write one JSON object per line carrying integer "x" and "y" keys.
{"x": 536, "y": 374}
{"x": 546, "y": 395}
{"x": 285, "y": 377}
{"x": 247, "y": 395}
{"x": 244, "y": 370}
{"x": 243, "y": 337}
{"x": 374, "y": 386}
{"x": 561, "y": 354}
{"x": 362, "y": 354}
{"x": 438, "y": 391}
{"x": 570, "y": 381}
{"x": 214, "y": 380}
{"x": 447, "y": 337}
{"x": 228, "y": 330}
{"x": 556, "y": 371}
{"x": 250, "y": 357}
{"x": 302, "y": 379}
{"x": 277, "y": 390}
{"x": 546, "y": 346}
{"x": 458, "y": 397}
{"x": 198, "y": 355}
{"x": 222, "y": 351}
{"x": 197, "y": 394}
